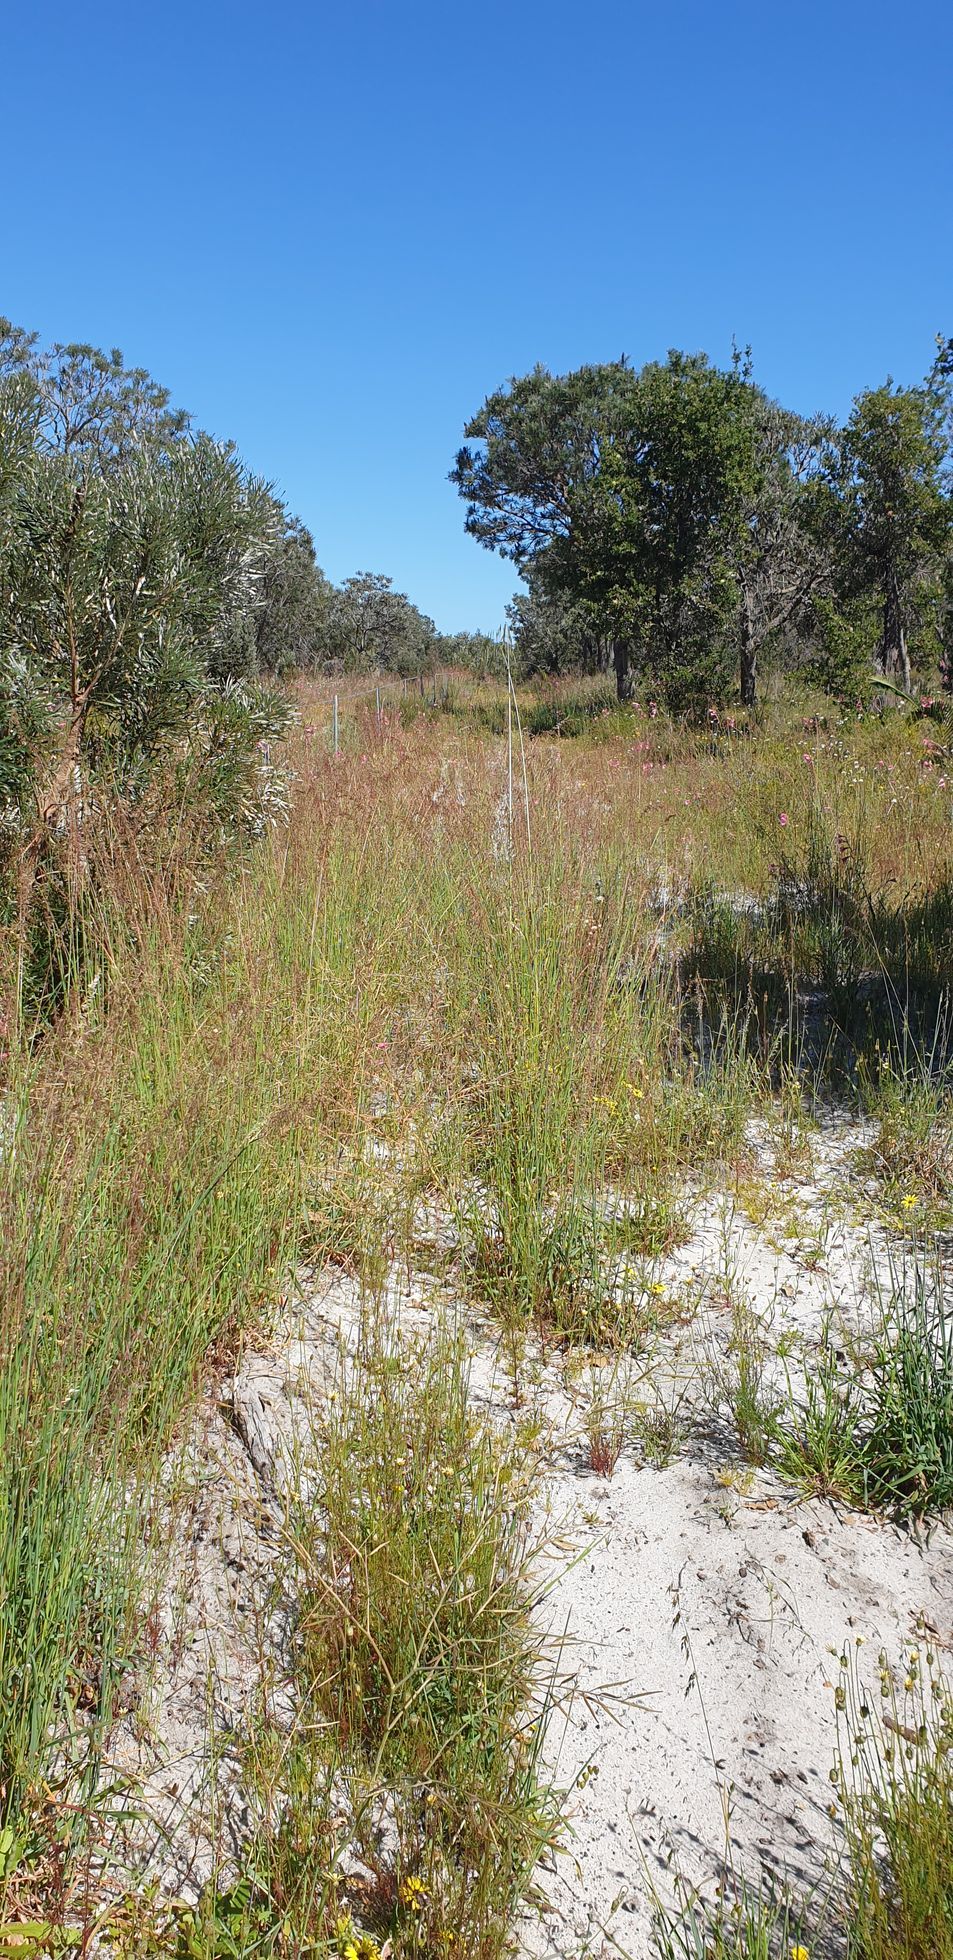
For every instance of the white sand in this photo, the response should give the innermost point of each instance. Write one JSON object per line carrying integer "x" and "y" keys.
{"x": 767, "y": 1587}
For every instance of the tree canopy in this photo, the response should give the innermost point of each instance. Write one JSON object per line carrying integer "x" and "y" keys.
{"x": 678, "y": 518}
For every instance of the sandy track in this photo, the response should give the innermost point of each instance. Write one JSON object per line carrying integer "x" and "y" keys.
{"x": 700, "y": 1606}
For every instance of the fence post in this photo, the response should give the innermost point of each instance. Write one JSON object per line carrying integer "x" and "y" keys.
{"x": 335, "y": 724}
{"x": 378, "y": 696}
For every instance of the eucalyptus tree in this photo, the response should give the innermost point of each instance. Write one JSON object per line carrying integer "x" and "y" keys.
{"x": 371, "y": 625}
{"x": 785, "y": 548}
{"x": 536, "y": 488}
{"x": 647, "y": 499}
{"x": 292, "y": 620}
{"x": 897, "y": 517}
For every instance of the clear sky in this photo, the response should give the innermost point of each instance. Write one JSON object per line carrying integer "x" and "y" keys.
{"x": 331, "y": 230}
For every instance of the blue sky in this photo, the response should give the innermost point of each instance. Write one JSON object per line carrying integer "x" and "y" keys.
{"x": 332, "y": 230}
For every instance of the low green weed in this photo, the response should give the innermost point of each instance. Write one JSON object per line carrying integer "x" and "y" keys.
{"x": 877, "y": 1429}
{"x": 739, "y": 1379}
{"x": 907, "y": 1429}
{"x": 912, "y": 1153}
{"x": 660, "y": 1427}
{"x": 611, "y": 1405}
{"x": 818, "y": 1444}
{"x": 648, "y": 1226}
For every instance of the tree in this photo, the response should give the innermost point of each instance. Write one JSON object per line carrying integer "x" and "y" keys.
{"x": 91, "y": 406}
{"x": 698, "y": 457}
{"x": 553, "y": 636}
{"x": 634, "y": 495}
{"x": 784, "y": 548}
{"x": 896, "y": 515}
{"x": 371, "y": 625}
{"x": 531, "y": 488}
{"x": 121, "y": 592}
{"x": 132, "y": 556}
{"x": 293, "y": 616}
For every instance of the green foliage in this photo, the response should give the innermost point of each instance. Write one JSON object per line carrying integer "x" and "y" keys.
{"x": 553, "y": 635}
{"x": 418, "y": 1651}
{"x": 140, "y": 567}
{"x": 907, "y": 1433}
{"x": 680, "y": 523}
{"x": 131, "y": 561}
{"x": 479, "y": 654}
{"x": 897, "y": 514}
{"x": 842, "y": 656}
{"x": 122, "y": 587}
{"x": 371, "y": 626}
{"x": 819, "y": 1447}
{"x": 912, "y": 1152}
{"x": 881, "y": 1434}
{"x": 656, "y": 513}
{"x": 746, "y": 1922}
{"x": 292, "y": 618}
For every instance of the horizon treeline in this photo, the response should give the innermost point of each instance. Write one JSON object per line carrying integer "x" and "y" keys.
{"x": 149, "y": 580}
{"x": 672, "y": 524}
{"x": 675, "y": 524}
{"x": 152, "y": 589}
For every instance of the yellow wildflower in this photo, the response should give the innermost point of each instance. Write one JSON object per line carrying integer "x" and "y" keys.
{"x": 800, "y": 1953}
{"x": 909, "y": 1201}
{"x": 411, "y": 1893}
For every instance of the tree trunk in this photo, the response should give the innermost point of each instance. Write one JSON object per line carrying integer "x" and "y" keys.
{"x": 895, "y": 655}
{"x": 621, "y": 660}
{"x": 749, "y": 653}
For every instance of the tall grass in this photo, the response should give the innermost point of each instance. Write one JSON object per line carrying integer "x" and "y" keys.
{"x": 150, "y": 1203}
{"x": 380, "y": 1004}
{"x": 419, "y": 1655}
